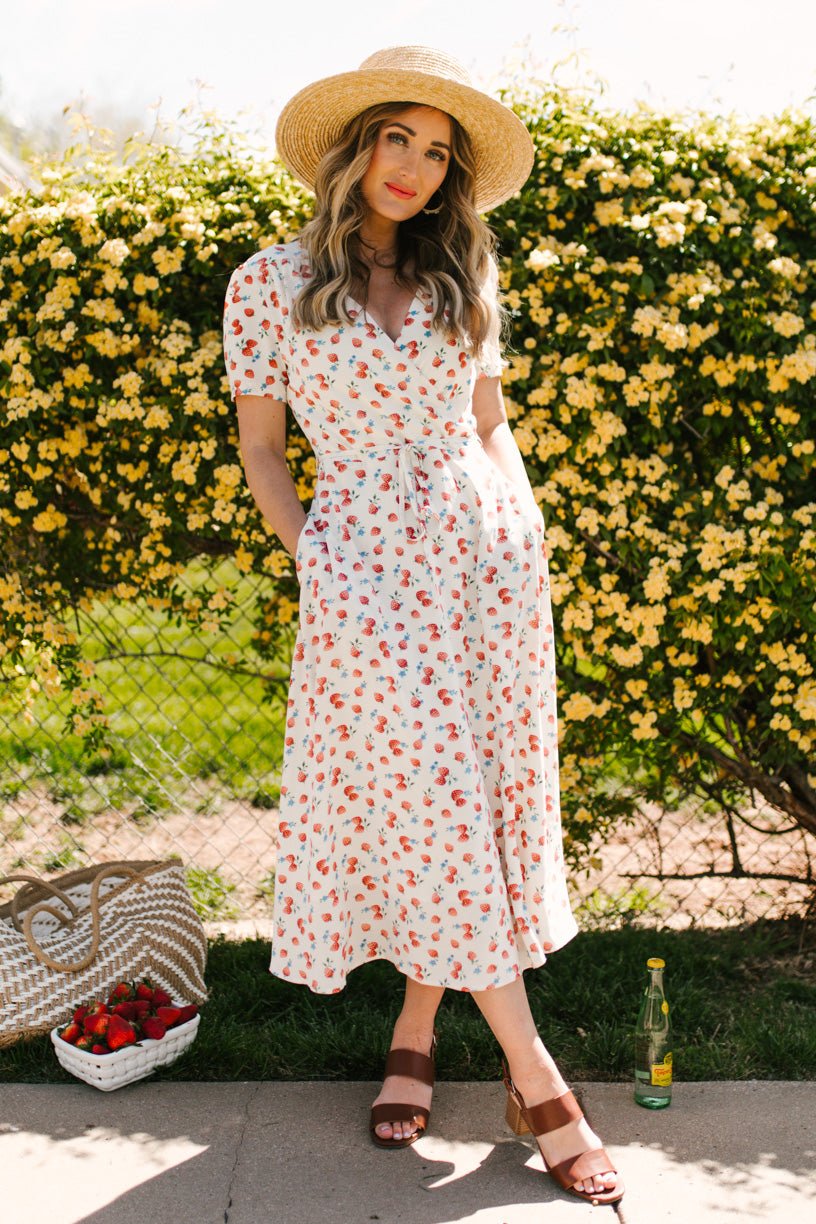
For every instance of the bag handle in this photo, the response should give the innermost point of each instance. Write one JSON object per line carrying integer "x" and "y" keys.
{"x": 41, "y": 955}
{"x": 19, "y": 897}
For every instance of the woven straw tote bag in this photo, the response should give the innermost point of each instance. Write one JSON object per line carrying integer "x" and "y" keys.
{"x": 69, "y": 940}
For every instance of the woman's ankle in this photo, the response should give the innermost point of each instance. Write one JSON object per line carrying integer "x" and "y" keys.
{"x": 533, "y": 1070}
{"x": 413, "y": 1032}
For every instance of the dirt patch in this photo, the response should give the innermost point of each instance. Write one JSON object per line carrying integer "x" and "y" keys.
{"x": 236, "y": 842}
{"x": 731, "y": 874}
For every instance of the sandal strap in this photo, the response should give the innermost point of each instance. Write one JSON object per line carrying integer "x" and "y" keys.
{"x": 550, "y": 1115}
{"x": 580, "y": 1168}
{"x": 399, "y": 1112}
{"x": 409, "y": 1063}
{"x": 547, "y": 1115}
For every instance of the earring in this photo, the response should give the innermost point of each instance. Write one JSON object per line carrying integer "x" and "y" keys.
{"x": 433, "y": 211}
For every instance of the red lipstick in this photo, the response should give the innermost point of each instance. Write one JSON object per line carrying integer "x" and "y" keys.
{"x": 404, "y": 193}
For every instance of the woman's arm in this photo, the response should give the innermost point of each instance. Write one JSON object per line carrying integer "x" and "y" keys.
{"x": 497, "y": 437}
{"x": 262, "y": 432}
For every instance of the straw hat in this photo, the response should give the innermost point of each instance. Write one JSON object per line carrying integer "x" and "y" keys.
{"x": 315, "y": 117}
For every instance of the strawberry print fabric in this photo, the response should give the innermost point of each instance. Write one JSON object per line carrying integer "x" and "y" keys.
{"x": 419, "y": 809}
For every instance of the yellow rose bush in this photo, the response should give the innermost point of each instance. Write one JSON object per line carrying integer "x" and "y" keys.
{"x": 660, "y": 388}
{"x": 660, "y": 276}
{"x": 118, "y": 458}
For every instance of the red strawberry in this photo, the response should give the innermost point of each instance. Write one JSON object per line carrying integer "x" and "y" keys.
{"x": 100, "y": 1049}
{"x": 153, "y": 1027}
{"x": 97, "y": 1026}
{"x": 141, "y": 1008}
{"x": 161, "y": 998}
{"x": 80, "y": 1013}
{"x": 168, "y": 1015}
{"x": 121, "y": 992}
{"x": 86, "y": 1042}
{"x": 187, "y": 1012}
{"x": 120, "y": 1033}
{"x": 144, "y": 990}
{"x": 99, "y": 1009}
{"x": 126, "y": 1009}
{"x": 71, "y": 1032}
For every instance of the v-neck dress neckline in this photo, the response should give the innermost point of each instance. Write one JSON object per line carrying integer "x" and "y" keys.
{"x": 367, "y": 316}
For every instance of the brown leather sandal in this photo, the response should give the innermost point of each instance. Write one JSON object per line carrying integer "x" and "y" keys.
{"x": 417, "y": 1066}
{"x": 549, "y": 1116}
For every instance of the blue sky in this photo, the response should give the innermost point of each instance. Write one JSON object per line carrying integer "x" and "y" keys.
{"x": 245, "y": 59}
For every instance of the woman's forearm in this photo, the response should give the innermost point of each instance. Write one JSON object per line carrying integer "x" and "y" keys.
{"x": 501, "y": 447}
{"x": 273, "y": 489}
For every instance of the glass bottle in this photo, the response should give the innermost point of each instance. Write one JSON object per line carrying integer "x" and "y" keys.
{"x": 653, "y": 1042}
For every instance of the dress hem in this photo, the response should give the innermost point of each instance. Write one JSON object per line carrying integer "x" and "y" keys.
{"x": 447, "y": 985}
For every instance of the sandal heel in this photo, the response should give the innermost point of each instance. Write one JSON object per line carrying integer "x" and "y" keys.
{"x": 514, "y": 1117}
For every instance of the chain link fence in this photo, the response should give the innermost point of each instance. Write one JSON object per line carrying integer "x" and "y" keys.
{"x": 196, "y": 724}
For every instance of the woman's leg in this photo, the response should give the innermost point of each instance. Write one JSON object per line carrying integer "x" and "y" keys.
{"x": 412, "y": 1031}
{"x": 507, "y": 1010}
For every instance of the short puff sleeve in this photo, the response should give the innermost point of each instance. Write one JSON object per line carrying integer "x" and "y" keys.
{"x": 491, "y": 363}
{"x": 253, "y": 330}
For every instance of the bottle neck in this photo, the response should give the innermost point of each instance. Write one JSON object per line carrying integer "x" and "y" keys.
{"x": 656, "y": 981}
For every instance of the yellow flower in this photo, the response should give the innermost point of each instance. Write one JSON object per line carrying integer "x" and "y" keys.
{"x": 804, "y": 703}
{"x": 49, "y": 519}
{"x": 629, "y": 656}
{"x": 644, "y": 724}
{"x": 115, "y": 251}
{"x": 168, "y": 261}
{"x": 579, "y": 706}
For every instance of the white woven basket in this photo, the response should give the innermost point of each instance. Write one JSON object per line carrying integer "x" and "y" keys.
{"x": 132, "y": 1062}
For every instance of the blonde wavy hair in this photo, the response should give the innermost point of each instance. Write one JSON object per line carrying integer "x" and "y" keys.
{"x": 453, "y": 251}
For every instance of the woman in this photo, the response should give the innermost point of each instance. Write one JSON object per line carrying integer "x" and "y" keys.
{"x": 419, "y": 813}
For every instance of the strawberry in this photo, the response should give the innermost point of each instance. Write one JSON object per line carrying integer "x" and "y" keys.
{"x": 127, "y": 1010}
{"x": 85, "y": 1042}
{"x": 100, "y": 1049}
{"x": 71, "y": 1032}
{"x": 99, "y": 1009}
{"x": 141, "y": 1008}
{"x": 97, "y": 1026}
{"x": 187, "y": 1012}
{"x": 121, "y": 992}
{"x": 120, "y": 1033}
{"x": 80, "y": 1013}
{"x": 168, "y": 1015}
{"x": 161, "y": 998}
{"x": 153, "y": 1027}
{"x": 144, "y": 990}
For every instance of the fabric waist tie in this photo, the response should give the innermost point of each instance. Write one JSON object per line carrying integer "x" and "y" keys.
{"x": 410, "y": 457}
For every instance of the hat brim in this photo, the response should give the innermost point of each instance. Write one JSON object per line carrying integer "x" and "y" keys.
{"x": 314, "y": 119}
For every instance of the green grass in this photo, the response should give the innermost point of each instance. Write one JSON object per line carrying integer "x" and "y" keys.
{"x": 743, "y": 1007}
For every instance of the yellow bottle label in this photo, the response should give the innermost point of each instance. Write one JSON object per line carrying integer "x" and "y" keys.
{"x": 664, "y": 1007}
{"x": 662, "y": 1072}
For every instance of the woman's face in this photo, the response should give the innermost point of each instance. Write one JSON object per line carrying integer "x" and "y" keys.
{"x": 409, "y": 162}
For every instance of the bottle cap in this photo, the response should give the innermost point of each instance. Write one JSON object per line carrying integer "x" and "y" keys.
{"x": 654, "y": 962}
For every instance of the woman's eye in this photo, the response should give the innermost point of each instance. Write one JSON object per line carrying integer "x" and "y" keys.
{"x": 436, "y": 154}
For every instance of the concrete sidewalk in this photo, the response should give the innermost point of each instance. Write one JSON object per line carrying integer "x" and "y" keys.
{"x": 276, "y": 1153}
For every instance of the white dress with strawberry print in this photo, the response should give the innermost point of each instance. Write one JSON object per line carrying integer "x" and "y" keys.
{"x": 419, "y": 810}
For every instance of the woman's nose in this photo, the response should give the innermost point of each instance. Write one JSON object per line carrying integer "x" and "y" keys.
{"x": 409, "y": 165}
